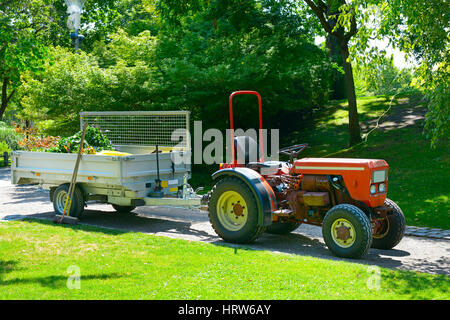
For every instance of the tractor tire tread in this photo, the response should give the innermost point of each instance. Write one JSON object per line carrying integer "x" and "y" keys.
{"x": 258, "y": 230}
{"x": 365, "y": 225}
{"x": 398, "y": 233}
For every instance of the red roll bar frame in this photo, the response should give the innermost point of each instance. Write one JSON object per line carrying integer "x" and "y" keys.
{"x": 260, "y": 143}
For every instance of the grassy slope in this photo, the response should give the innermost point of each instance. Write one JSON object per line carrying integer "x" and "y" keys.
{"x": 35, "y": 255}
{"x": 418, "y": 176}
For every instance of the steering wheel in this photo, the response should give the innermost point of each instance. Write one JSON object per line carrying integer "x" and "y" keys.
{"x": 293, "y": 151}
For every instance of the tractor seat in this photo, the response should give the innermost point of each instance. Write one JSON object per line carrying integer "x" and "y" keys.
{"x": 247, "y": 153}
{"x": 246, "y": 149}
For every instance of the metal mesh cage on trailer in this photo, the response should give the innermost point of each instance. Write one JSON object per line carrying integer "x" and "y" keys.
{"x": 142, "y": 128}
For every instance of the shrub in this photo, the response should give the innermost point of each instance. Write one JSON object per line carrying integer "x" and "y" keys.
{"x": 4, "y": 147}
{"x": 10, "y": 136}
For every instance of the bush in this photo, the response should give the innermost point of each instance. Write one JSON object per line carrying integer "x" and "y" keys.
{"x": 4, "y": 147}
{"x": 10, "y": 136}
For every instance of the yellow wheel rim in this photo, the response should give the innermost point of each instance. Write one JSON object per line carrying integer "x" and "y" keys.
{"x": 232, "y": 210}
{"x": 343, "y": 233}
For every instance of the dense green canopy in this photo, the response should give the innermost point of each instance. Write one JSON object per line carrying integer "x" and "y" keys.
{"x": 180, "y": 54}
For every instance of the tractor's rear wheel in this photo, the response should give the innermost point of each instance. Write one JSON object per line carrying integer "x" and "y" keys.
{"x": 282, "y": 227}
{"x": 233, "y": 211}
{"x": 347, "y": 231}
{"x": 390, "y": 230}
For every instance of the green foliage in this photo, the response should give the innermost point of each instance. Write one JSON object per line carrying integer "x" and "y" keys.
{"x": 383, "y": 78}
{"x": 22, "y": 48}
{"x": 420, "y": 29}
{"x": 437, "y": 93}
{"x": 9, "y": 136}
{"x": 4, "y": 147}
{"x": 165, "y": 54}
{"x": 93, "y": 139}
{"x": 194, "y": 65}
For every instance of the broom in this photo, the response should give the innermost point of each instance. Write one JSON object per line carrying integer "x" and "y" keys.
{"x": 68, "y": 204}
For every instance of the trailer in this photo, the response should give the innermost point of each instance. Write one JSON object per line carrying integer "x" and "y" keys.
{"x": 152, "y": 166}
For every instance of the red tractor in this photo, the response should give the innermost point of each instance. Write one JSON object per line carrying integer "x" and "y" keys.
{"x": 347, "y": 197}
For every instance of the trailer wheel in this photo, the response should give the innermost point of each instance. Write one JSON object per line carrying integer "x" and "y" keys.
{"x": 233, "y": 211}
{"x": 390, "y": 230}
{"x": 347, "y": 231}
{"x": 282, "y": 227}
{"x": 123, "y": 209}
{"x": 59, "y": 201}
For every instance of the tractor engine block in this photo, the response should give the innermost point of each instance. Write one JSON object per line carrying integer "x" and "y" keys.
{"x": 303, "y": 198}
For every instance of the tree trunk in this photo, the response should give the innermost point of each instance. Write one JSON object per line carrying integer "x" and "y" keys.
{"x": 353, "y": 122}
{"x": 4, "y": 97}
{"x": 338, "y": 85}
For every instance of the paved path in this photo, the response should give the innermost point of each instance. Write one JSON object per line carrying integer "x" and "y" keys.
{"x": 413, "y": 253}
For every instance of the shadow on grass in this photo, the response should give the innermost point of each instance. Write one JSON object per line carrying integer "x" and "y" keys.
{"x": 113, "y": 223}
{"x": 43, "y": 219}
{"x": 7, "y": 266}
{"x": 415, "y": 285}
{"x": 55, "y": 282}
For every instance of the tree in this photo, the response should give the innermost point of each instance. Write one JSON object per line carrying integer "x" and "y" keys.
{"x": 22, "y": 24}
{"x": 193, "y": 65}
{"x": 383, "y": 78}
{"x": 29, "y": 27}
{"x": 339, "y": 21}
{"x": 420, "y": 29}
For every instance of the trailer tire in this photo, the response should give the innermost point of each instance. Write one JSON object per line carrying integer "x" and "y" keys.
{"x": 233, "y": 211}
{"x": 123, "y": 209}
{"x": 394, "y": 229}
{"x": 282, "y": 227}
{"x": 59, "y": 200}
{"x": 346, "y": 222}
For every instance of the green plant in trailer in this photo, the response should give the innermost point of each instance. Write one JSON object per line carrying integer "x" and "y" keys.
{"x": 94, "y": 141}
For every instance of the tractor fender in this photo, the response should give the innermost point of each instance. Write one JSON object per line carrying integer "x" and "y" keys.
{"x": 264, "y": 195}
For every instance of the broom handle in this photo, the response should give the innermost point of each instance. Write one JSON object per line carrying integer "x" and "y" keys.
{"x": 74, "y": 175}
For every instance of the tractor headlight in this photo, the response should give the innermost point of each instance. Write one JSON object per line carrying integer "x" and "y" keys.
{"x": 381, "y": 187}
{"x": 373, "y": 188}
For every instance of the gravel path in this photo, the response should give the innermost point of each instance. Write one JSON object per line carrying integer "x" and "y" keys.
{"x": 413, "y": 253}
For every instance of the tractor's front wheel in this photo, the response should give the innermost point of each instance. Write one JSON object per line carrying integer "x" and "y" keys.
{"x": 233, "y": 211}
{"x": 347, "y": 231}
{"x": 388, "y": 232}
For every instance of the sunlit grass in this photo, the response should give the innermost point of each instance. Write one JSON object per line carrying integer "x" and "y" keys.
{"x": 35, "y": 257}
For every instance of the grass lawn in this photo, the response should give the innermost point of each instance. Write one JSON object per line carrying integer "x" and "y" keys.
{"x": 35, "y": 256}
